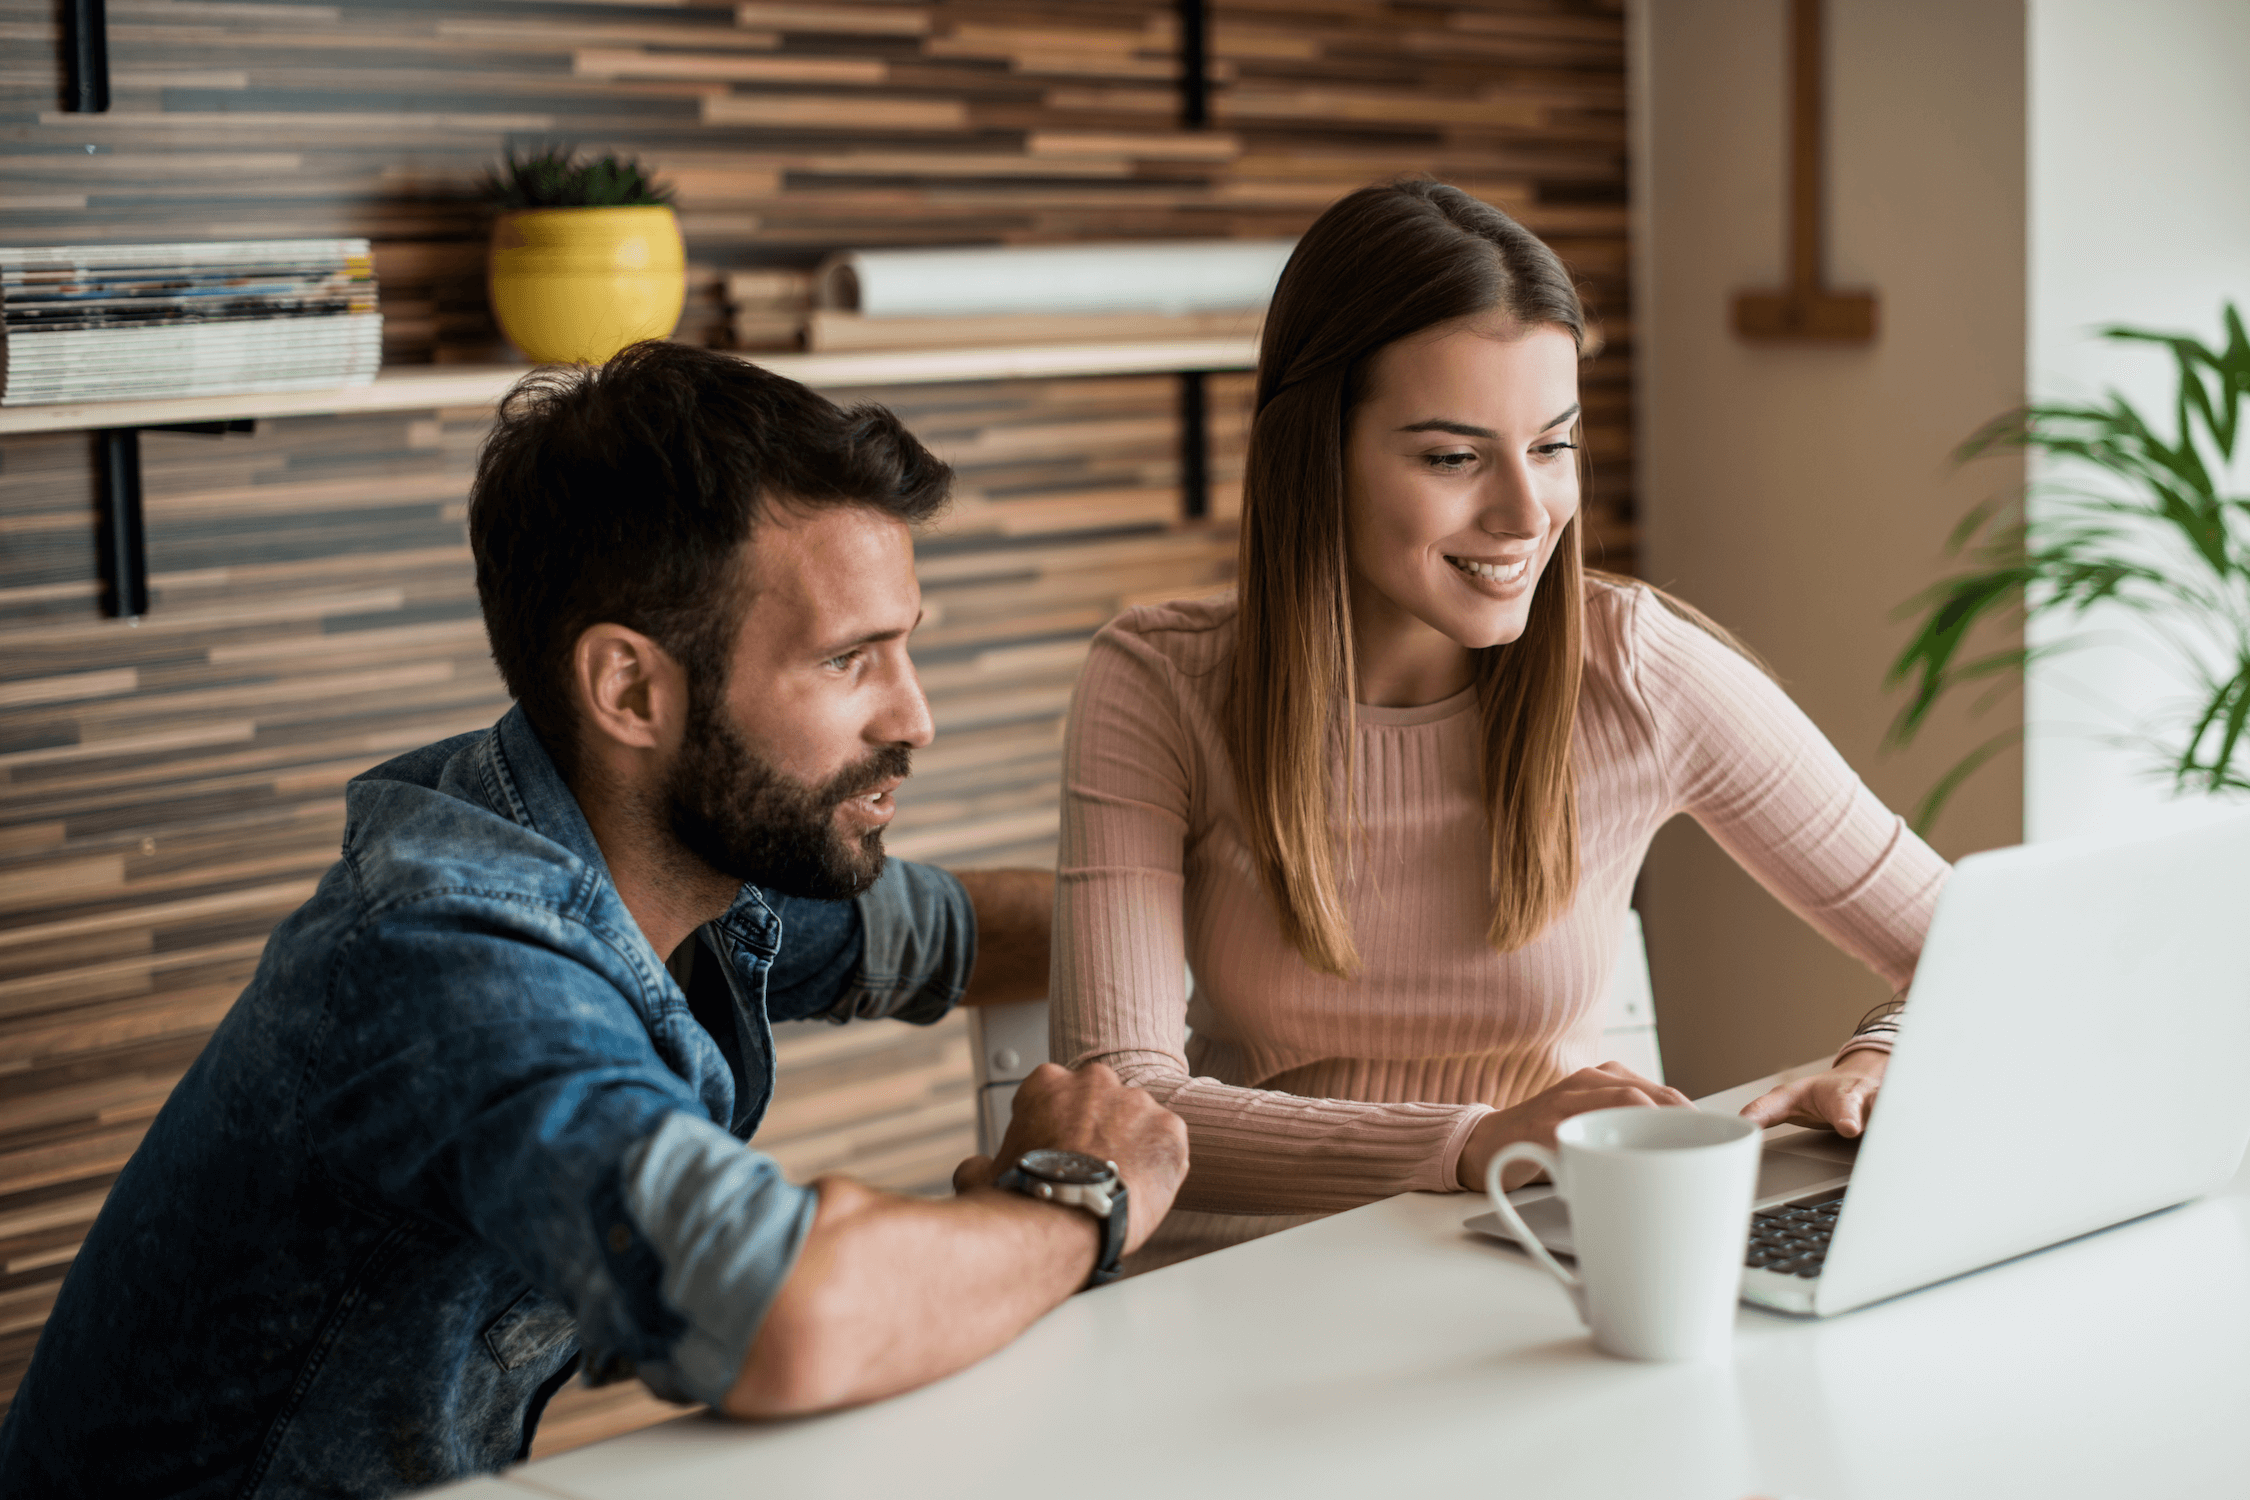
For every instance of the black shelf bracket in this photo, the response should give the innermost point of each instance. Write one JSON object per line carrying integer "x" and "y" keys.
{"x": 1195, "y": 447}
{"x": 86, "y": 57}
{"x": 121, "y": 533}
{"x": 1195, "y": 64}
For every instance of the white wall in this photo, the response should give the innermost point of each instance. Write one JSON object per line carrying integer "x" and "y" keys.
{"x": 1800, "y": 494}
{"x": 2140, "y": 214}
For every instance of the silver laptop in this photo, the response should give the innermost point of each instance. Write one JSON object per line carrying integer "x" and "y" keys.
{"x": 2073, "y": 1055}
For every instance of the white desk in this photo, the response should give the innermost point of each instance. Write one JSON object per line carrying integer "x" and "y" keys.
{"x": 1385, "y": 1351}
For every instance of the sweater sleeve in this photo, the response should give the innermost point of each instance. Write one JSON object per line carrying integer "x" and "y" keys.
{"x": 1747, "y": 764}
{"x": 1119, "y": 979}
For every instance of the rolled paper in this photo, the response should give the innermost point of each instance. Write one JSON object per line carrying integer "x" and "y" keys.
{"x": 1159, "y": 276}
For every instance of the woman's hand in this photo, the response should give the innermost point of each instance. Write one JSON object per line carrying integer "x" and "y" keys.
{"x": 1608, "y": 1086}
{"x": 1839, "y": 1099}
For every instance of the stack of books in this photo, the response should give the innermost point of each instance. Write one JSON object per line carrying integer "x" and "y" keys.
{"x": 112, "y": 322}
{"x": 768, "y": 309}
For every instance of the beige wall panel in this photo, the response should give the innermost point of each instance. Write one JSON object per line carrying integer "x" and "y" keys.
{"x": 1800, "y": 494}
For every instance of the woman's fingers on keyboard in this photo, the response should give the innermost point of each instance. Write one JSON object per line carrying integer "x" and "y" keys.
{"x": 1839, "y": 1099}
{"x": 1656, "y": 1093}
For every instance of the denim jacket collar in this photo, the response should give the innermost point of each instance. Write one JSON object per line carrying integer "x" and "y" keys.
{"x": 520, "y": 780}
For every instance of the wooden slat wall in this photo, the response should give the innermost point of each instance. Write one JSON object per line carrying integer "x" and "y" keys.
{"x": 169, "y": 790}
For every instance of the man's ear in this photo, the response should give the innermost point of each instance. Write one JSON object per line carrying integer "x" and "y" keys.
{"x": 630, "y": 691}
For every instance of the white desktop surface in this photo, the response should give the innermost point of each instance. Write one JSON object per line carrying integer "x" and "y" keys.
{"x": 1388, "y": 1351}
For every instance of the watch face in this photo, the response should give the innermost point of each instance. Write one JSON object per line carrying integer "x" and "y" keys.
{"x": 1066, "y": 1166}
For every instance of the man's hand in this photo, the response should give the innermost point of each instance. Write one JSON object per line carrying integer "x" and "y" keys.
{"x": 1839, "y": 1099}
{"x": 1610, "y": 1085}
{"x": 1089, "y": 1111}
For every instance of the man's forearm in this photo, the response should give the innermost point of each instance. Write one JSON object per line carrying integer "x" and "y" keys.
{"x": 1015, "y": 930}
{"x": 890, "y": 1293}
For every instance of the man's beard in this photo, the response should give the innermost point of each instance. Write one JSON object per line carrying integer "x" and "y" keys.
{"x": 754, "y": 823}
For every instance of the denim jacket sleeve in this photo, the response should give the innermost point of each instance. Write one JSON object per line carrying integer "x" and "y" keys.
{"x": 506, "y": 1069}
{"x": 902, "y": 949}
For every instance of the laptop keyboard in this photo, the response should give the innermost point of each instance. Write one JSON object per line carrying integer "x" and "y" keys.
{"x": 1792, "y": 1240}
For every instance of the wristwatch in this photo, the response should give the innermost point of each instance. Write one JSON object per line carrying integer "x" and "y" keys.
{"x": 1076, "y": 1180}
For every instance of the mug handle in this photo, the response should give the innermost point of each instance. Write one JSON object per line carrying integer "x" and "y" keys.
{"x": 1516, "y": 1151}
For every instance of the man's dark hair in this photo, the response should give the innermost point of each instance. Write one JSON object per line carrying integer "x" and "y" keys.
{"x": 623, "y": 494}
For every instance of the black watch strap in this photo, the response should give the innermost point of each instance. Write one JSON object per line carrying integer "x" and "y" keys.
{"x": 1106, "y": 1265}
{"x": 1113, "y": 1241}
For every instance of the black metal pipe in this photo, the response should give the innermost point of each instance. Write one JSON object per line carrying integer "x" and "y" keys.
{"x": 1195, "y": 65}
{"x": 123, "y": 541}
{"x": 86, "y": 55}
{"x": 1195, "y": 447}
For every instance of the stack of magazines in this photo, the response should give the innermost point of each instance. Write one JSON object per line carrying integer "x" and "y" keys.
{"x": 108, "y": 322}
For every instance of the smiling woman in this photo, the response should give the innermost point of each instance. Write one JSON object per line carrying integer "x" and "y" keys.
{"x": 1451, "y": 524}
{"x": 1388, "y": 802}
{"x": 1410, "y": 318}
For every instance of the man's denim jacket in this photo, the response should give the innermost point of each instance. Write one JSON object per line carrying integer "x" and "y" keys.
{"x": 461, "y": 1133}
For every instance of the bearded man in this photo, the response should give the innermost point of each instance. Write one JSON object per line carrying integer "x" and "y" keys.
{"x": 481, "y": 1118}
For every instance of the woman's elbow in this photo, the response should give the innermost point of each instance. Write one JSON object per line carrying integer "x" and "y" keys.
{"x": 1162, "y": 1076}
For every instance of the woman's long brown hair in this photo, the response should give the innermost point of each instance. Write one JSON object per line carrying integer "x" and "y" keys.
{"x": 1379, "y": 265}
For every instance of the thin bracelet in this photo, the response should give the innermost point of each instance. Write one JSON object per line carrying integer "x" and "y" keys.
{"x": 1884, "y": 1016}
{"x": 1878, "y": 1027}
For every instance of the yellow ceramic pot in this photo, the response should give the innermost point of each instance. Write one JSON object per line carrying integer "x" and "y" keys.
{"x": 575, "y": 285}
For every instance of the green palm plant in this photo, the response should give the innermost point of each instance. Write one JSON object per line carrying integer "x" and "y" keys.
{"x": 2130, "y": 519}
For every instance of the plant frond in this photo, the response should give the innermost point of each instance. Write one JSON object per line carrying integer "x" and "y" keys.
{"x": 2227, "y": 713}
{"x": 1926, "y": 811}
{"x": 1929, "y": 655}
{"x": 1984, "y": 514}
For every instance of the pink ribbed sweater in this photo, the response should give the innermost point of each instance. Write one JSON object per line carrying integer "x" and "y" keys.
{"x": 1303, "y": 1092}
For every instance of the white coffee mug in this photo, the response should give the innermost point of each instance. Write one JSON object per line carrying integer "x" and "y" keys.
{"x": 1660, "y": 1212}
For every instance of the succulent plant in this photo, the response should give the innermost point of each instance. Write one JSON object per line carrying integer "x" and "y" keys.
{"x": 556, "y": 177}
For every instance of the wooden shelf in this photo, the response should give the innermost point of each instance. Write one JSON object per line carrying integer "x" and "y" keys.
{"x": 421, "y": 387}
